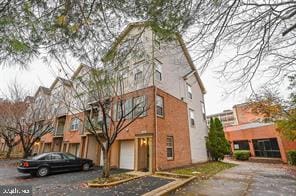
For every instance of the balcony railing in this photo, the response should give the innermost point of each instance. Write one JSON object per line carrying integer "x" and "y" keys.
{"x": 97, "y": 126}
{"x": 59, "y": 132}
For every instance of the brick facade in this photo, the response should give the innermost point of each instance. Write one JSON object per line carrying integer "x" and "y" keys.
{"x": 146, "y": 139}
{"x": 249, "y": 130}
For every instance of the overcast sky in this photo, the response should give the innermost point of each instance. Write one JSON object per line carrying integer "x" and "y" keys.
{"x": 39, "y": 73}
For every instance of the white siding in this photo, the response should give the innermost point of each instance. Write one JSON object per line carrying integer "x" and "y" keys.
{"x": 174, "y": 67}
{"x": 200, "y": 130}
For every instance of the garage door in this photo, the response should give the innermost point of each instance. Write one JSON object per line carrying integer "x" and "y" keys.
{"x": 47, "y": 147}
{"x": 74, "y": 148}
{"x": 127, "y": 155}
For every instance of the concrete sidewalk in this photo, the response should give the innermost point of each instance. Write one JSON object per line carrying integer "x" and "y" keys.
{"x": 246, "y": 179}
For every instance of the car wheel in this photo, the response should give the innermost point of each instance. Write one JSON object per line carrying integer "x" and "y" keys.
{"x": 85, "y": 167}
{"x": 42, "y": 171}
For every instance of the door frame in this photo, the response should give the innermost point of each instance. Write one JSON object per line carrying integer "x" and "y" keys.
{"x": 150, "y": 150}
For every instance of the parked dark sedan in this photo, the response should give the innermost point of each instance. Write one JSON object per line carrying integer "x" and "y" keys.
{"x": 43, "y": 164}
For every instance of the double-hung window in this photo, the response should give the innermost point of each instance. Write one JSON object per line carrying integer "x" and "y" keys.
{"x": 159, "y": 106}
{"x": 203, "y": 109}
{"x": 138, "y": 75}
{"x": 75, "y": 124}
{"x": 191, "y": 115}
{"x": 120, "y": 109}
{"x": 170, "y": 148}
{"x": 139, "y": 106}
{"x": 128, "y": 105}
{"x": 158, "y": 72}
{"x": 189, "y": 91}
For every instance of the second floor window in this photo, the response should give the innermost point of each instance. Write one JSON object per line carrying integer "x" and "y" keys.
{"x": 75, "y": 124}
{"x": 191, "y": 115}
{"x": 189, "y": 91}
{"x": 159, "y": 106}
{"x": 139, "y": 106}
{"x": 158, "y": 72}
{"x": 128, "y": 105}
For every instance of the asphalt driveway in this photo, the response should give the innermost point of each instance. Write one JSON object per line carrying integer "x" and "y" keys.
{"x": 246, "y": 179}
{"x": 73, "y": 183}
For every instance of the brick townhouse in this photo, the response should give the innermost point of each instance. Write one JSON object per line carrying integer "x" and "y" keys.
{"x": 171, "y": 133}
{"x": 250, "y": 132}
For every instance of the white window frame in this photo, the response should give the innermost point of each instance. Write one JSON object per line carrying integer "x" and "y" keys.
{"x": 160, "y": 104}
{"x": 75, "y": 123}
{"x": 158, "y": 70}
{"x": 140, "y": 78}
{"x": 170, "y": 145}
{"x": 124, "y": 77}
{"x": 128, "y": 105}
{"x": 189, "y": 91}
{"x": 191, "y": 117}
{"x": 142, "y": 105}
{"x": 203, "y": 110}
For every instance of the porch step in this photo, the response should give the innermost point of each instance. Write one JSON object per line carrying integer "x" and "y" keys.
{"x": 265, "y": 160}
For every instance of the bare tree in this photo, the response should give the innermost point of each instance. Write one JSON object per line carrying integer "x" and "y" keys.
{"x": 111, "y": 111}
{"x": 24, "y": 121}
{"x": 259, "y": 37}
{"x": 9, "y": 112}
{"x": 103, "y": 93}
{"x": 38, "y": 120}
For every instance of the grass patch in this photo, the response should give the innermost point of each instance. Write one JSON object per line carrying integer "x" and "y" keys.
{"x": 112, "y": 178}
{"x": 204, "y": 170}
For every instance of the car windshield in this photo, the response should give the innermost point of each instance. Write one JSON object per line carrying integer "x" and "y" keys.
{"x": 37, "y": 157}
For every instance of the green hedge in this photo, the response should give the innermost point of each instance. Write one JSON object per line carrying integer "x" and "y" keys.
{"x": 241, "y": 155}
{"x": 292, "y": 157}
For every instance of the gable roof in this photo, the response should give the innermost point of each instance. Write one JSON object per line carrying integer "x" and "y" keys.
{"x": 77, "y": 71}
{"x": 29, "y": 99}
{"x": 62, "y": 80}
{"x": 42, "y": 89}
{"x": 179, "y": 38}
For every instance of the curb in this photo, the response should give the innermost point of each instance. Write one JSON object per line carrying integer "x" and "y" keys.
{"x": 93, "y": 185}
{"x": 170, "y": 187}
{"x": 174, "y": 175}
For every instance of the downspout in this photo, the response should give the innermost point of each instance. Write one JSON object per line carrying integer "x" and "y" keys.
{"x": 155, "y": 94}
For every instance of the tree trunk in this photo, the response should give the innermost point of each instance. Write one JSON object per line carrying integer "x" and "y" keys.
{"x": 27, "y": 153}
{"x": 8, "y": 153}
{"x": 106, "y": 167}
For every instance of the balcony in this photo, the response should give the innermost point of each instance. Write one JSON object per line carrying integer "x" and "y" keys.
{"x": 88, "y": 127}
{"x": 59, "y": 132}
{"x": 60, "y": 126}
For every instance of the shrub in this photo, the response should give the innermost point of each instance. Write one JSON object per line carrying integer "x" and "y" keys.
{"x": 242, "y": 155}
{"x": 216, "y": 143}
{"x": 292, "y": 157}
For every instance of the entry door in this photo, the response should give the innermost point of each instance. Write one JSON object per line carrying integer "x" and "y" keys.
{"x": 127, "y": 155}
